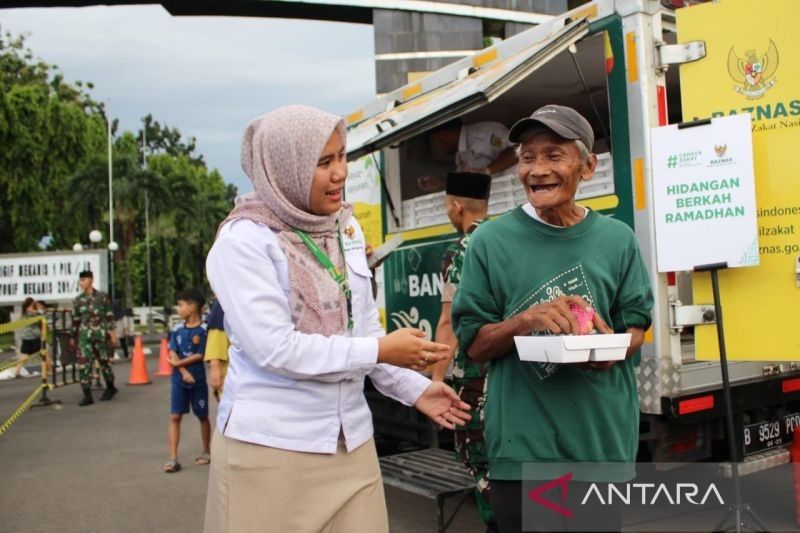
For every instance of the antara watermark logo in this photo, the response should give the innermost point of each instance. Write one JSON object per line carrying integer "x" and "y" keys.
{"x": 630, "y": 493}
{"x": 653, "y": 494}
{"x": 536, "y": 495}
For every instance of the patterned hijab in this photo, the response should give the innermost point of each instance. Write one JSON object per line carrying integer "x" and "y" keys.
{"x": 280, "y": 151}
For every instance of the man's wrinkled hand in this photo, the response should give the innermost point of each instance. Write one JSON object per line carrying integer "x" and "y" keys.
{"x": 555, "y": 316}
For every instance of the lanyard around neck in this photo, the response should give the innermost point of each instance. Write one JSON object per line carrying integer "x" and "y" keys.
{"x": 339, "y": 277}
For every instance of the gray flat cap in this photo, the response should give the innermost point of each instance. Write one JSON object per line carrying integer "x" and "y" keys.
{"x": 563, "y": 120}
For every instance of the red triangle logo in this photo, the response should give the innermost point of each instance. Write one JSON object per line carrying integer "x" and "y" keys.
{"x": 535, "y": 495}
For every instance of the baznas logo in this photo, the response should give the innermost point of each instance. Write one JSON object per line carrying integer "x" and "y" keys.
{"x": 720, "y": 150}
{"x": 754, "y": 73}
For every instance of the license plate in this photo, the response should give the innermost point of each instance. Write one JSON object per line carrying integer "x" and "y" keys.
{"x": 769, "y": 434}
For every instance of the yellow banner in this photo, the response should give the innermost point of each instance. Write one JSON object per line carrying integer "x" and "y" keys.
{"x": 369, "y": 218}
{"x": 363, "y": 190}
{"x": 753, "y": 66}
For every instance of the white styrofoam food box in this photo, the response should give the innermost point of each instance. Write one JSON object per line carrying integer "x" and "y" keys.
{"x": 573, "y": 348}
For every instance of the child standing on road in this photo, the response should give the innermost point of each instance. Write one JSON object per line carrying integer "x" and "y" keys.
{"x": 186, "y": 348}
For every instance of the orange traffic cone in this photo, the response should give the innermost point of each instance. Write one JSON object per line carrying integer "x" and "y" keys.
{"x": 164, "y": 368}
{"x": 138, "y": 365}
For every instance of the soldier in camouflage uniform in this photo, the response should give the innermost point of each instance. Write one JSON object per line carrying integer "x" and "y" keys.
{"x": 466, "y": 199}
{"x": 94, "y": 327}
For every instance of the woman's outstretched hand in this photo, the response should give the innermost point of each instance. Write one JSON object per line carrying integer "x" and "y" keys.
{"x": 441, "y": 404}
{"x": 407, "y": 348}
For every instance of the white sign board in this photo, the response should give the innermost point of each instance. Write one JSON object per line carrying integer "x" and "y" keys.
{"x": 363, "y": 181}
{"x": 704, "y": 197}
{"x": 51, "y": 277}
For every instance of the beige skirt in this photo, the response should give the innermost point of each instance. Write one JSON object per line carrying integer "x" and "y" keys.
{"x": 262, "y": 489}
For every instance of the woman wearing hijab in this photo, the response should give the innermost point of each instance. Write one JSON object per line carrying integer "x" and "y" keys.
{"x": 293, "y": 450}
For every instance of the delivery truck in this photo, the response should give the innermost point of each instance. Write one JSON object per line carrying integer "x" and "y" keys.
{"x": 628, "y": 66}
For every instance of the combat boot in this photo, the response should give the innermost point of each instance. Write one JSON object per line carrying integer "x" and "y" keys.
{"x": 110, "y": 391}
{"x": 87, "y": 397}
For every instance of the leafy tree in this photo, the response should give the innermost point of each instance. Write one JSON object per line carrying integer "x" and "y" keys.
{"x": 47, "y": 130}
{"x": 54, "y": 177}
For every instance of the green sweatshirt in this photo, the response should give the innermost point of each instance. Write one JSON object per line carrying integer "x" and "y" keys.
{"x": 544, "y": 413}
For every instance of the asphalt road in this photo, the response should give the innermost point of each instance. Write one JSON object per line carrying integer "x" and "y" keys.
{"x": 98, "y": 468}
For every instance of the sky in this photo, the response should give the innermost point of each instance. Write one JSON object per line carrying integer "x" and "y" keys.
{"x": 207, "y": 76}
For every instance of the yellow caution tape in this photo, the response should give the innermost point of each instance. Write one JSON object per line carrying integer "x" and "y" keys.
{"x": 21, "y": 323}
{"x": 12, "y": 363}
{"x": 21, "y": 409}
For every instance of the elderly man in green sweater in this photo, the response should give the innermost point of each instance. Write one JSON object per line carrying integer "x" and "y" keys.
{"x": 522, "y": 272}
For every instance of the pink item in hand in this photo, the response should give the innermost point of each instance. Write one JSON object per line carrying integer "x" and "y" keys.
{"x": 585, "y": 317}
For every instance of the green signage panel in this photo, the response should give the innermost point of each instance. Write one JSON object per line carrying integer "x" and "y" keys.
{"x": 413, "y": 287}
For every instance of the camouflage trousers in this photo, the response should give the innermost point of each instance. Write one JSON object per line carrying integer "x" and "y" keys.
{"x": 470, "y": 445}
{"x": 89, "y": 351}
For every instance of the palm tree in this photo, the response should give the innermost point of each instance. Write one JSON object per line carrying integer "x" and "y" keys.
{"x": 88, "y": 194}
{"x": 173, "y": 210}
